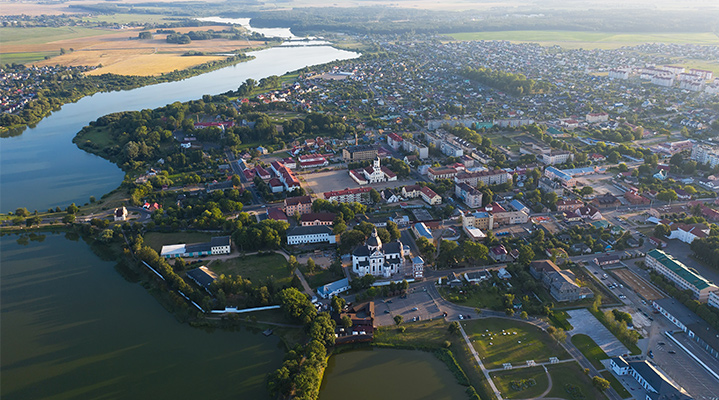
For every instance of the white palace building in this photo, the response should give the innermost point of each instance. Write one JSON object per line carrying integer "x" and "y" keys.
{"x": 377, "y": 259}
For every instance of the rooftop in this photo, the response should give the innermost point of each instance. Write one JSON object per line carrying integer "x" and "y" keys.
{"x": 680, "y": 269}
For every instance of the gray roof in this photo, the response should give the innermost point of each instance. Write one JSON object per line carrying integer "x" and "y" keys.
{"x": 660, "y": 382}
{"x": 203, "y": 276}
{"x": 197, "y": 247}
{"x": 361, "y": 251}
{"x": 692, "y": 321}
{"x": 220, "y": 241}
{"x": 392, "y": 247}
{"x": 309, "y": 230}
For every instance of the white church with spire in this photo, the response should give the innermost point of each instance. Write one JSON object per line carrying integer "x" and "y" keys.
{"x": 377, "y": 258}
{"x": 374, "y": 173}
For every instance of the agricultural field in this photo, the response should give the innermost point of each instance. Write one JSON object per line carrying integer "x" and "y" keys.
{"x": 500, "y": 341}
{"x": 600, "y": 40}
{"x": 116, "y": 51}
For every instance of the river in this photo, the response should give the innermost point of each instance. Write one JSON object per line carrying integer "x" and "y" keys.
{"x": 42, "y": 168}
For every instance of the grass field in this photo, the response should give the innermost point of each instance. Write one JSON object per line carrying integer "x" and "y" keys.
{"x": 319, "y": 277}
{"x": 41, "y": 35}
{"x": 25, "y": 58}
{"x": 504, "y": 379}
{"x": 589, "y": 348}
{"x": 618, "y": 387}
{"x": 495, "y": 349}
{"x": 255, "y": 268}
{"x": 601, "y": 40}
{"x": 156, "y": 240}
{"x": 477, "y": 299}
{"x": 571, "y": 374}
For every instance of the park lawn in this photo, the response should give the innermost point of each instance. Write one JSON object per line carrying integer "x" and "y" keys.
{"x": 320, "y": 277}
{"x": 530, "y": 342}
{"x": 589, "y": 348}
{"x": 99, "y": 136}
{"x": 503, "y": 380}
{"x": 423, "y": 334}
{"x": 571, "y": 374}
{"x": 559, "y": 319}
{"x": 156, "y": 239}
{"x": 432, "y": 334}
{"x": 618, "y": 387}
{"x": 474, "y": 298}
{"x": 256, "y": 268}
{"x": 577, "y": 39}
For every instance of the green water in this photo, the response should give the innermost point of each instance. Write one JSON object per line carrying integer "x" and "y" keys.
{"x": 73, "y": 328}
{"x": 380, "y": 374}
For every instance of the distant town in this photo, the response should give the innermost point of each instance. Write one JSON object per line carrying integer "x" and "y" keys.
{"x": 543, "y": 219}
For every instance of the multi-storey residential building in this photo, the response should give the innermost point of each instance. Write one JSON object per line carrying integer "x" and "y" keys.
{"x": 569, "y": 205}
{"x": 395, "y": 141}
{"x": 597, "y": 117}
{"x": 359, "y": 153}
{"x": 441, "y": 173}
{"x": 481, "y": 220}
{"x": 317, "y": 219}
{"x": 412, "y": 146}
{"x": 471, "y": 196}
{"x": 561, "y": 283}
{"x": 299, "y": 204}
{"x": 360, "y": 195}
{"x": 683, "y": 277}
{"x": 713, "y": 299}
{"x": 472, "y": 178}
{"x": 704, "y": 154}
{"x": 411, "y": 191}
{"x": 555, "y": 157}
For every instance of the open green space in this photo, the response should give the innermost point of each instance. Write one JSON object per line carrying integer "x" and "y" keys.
{"x": 500, "y": 341}
{"x": 491, "y": 299}
{"x": 590, "y": 349}
{"x": 517, "y": 383}
{"x": 44, "y": 34}
{"x": 571, "y": 375}
{"x": 434, "y": 334}
{"x": 156, "y": 239}
{"x": 24, "y": 58}
{"x": 320, "y": 277}
{"x": 99, "y": 136}
{"x": 256, "y": 268}
{"x": 602, "y": 40}
{"x": 616, "y": 385}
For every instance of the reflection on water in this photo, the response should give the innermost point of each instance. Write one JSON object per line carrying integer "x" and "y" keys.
{"x": 72, "y": 328}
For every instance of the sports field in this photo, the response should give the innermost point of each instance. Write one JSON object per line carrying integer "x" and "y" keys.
{"x": 601, "y": 40}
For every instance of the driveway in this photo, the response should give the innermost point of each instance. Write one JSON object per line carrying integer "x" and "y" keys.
{"x": 585, "y": 323}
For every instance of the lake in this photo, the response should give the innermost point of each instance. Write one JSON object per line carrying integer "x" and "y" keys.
{"x": 73, "y": 328}
{"x": 389, "y": 374}
{"x": 42, "y": 168}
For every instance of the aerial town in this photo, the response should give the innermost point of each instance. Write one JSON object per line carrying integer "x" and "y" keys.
{"x": 543, "y": 219}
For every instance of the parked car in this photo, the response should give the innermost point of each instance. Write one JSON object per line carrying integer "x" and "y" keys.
{"x": 672, "y": 352}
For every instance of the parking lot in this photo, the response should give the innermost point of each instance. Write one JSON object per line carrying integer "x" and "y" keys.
{"x": 640, "y": 285}
{"x": 417, "y": 304}
{"x": 686, "y": 372}
{"x": 584, "y": 322}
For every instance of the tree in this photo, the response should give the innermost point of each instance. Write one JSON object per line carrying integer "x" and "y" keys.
{"x": 144, "y": 35}
{"x": 474, "y": 251}
{"x": 667, "y": 195}
{"x": 523, "y": 315}
{"x": 22, "y": 212}
{"x": 106, "y": 236}
{"x": 526, "y": 254}
{"x": 346, "y": 322}
{"x": 375, "y": 196}
{"x": 398, "y": 319}
{"x": 311, "y": 265}
{"x": 600, "y": 383}
{"x": 68, "y": 219}
{"x": 337, "y": 303}
{"x": 393, "y": 230}
{"x": 72, "y": 209}
{"x": 236, "y": 180}
{"x": 322, "y": 329}
{"x": 296, "y": 305}
{"x": 662, "y": 230}
{"x": 586, "y": 190}
{"x": 454, "y": 328}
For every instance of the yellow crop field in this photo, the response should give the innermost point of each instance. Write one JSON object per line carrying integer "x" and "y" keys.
{"x": 118, "y": 51}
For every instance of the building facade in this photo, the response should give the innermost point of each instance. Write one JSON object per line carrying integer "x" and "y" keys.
{"x": 376, "y": 258}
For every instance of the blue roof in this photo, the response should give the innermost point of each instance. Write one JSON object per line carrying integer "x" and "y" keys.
{"x": 423, "y": 230}
{"x": 481, "y": 214}
{"x": 417, "y": 260}
{"x": 331, "y": 287}
{"x": 559, "y": 173}
{"x": 517, "y": 205}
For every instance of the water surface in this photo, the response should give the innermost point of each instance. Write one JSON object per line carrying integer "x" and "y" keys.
{"x": 73, "y": 328}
